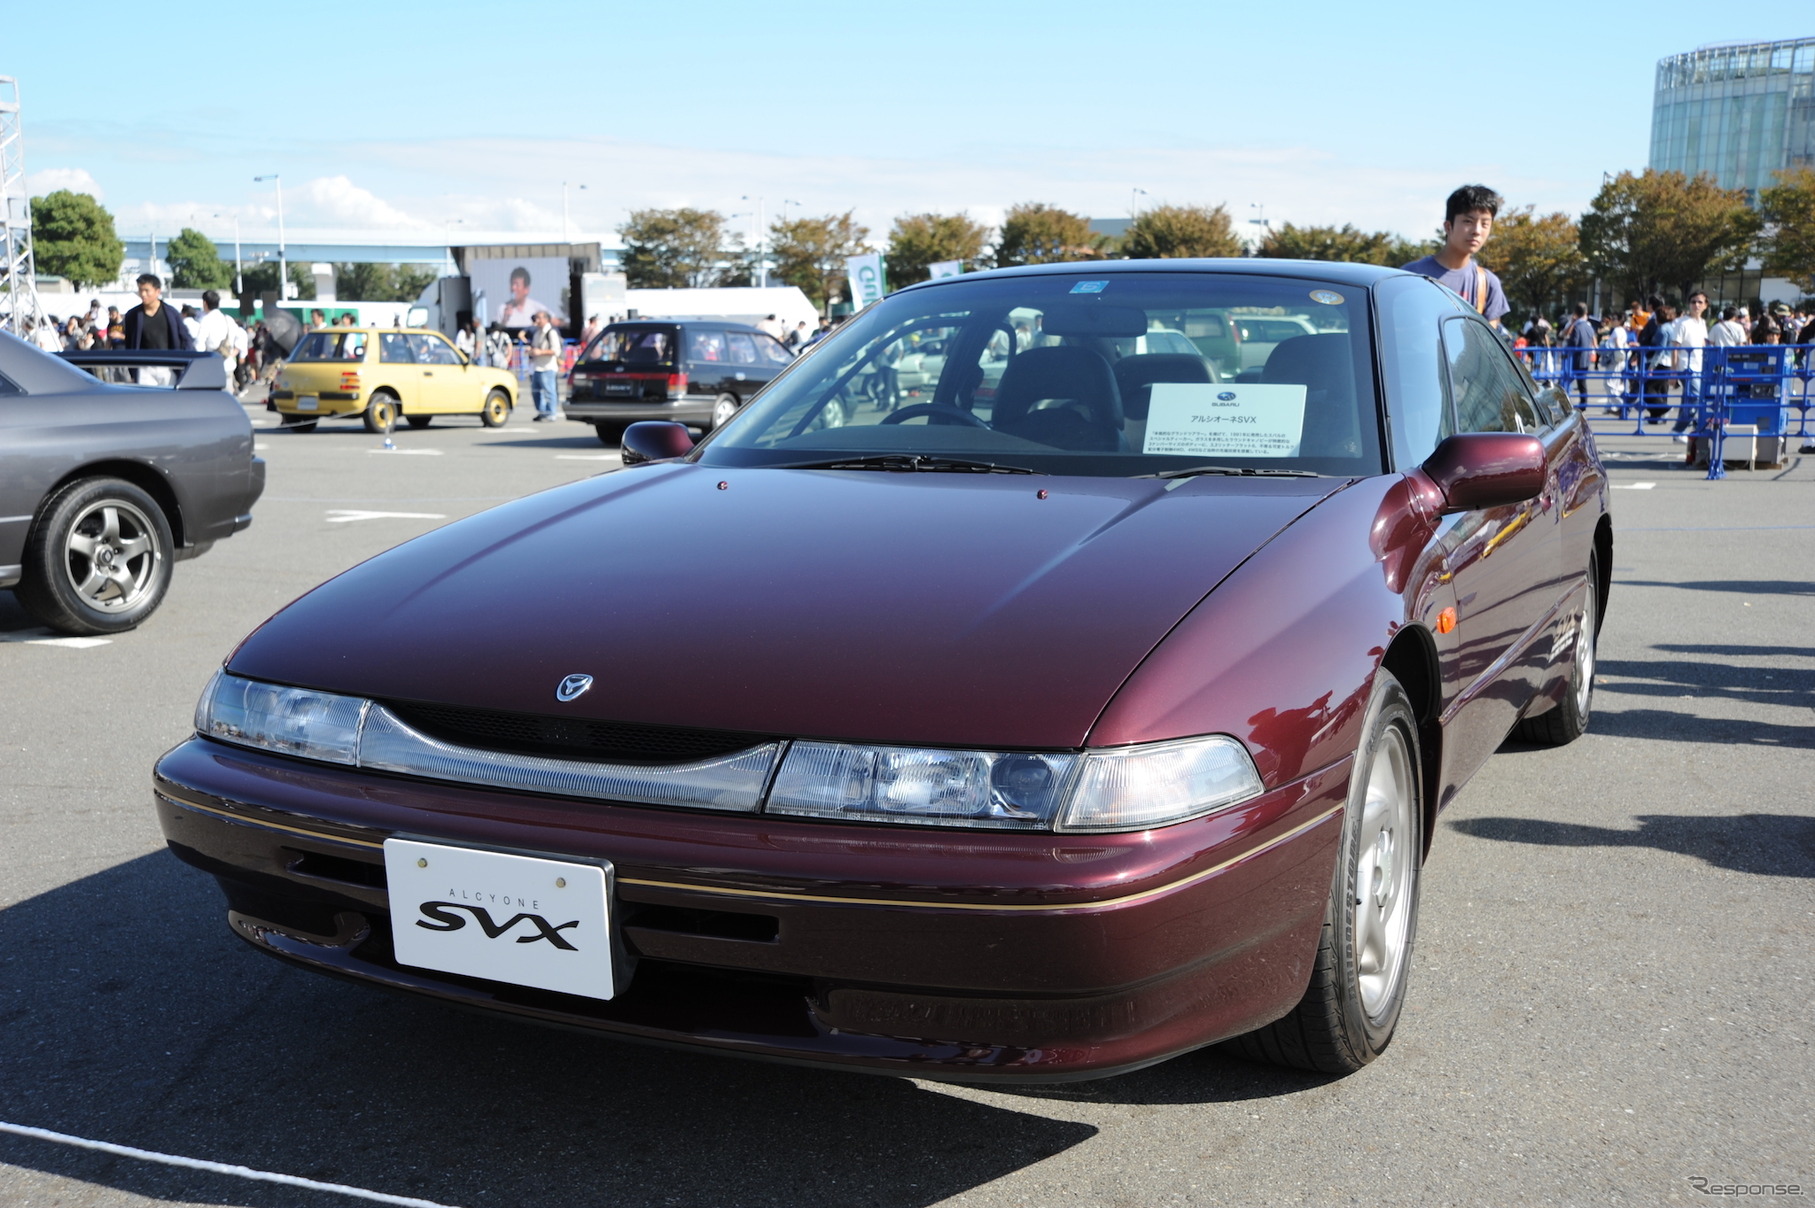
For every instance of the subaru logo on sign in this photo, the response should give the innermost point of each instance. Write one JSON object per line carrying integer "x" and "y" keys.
{"x": 573, "y": 686}
{"x": 1227, "y": 396}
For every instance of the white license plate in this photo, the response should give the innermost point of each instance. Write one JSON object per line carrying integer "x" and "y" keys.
{"x": 307, "y": 402}
{"x": 518, "y": 919}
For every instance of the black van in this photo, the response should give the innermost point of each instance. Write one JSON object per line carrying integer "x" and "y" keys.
{"x": 695, "y": 372}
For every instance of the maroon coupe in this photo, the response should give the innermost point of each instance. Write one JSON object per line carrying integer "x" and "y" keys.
{"x": 1019, "y": 687}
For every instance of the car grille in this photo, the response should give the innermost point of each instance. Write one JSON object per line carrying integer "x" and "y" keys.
{"x": 569, "y": 737}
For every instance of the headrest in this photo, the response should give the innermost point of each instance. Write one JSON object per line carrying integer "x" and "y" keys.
{"x": 1319, "y": 362}
{"x": 1058, "y": 371}
{"x": 1137, "y": 374}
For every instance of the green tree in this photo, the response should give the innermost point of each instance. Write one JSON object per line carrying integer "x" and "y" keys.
{"x": 678, "y": 249}
{"x": 366, "y": 281}
{"x": 195, "y": 263}
{"x": 1538, "y": 258}
{"x": 1167, "y": 232}
{"x": 261, "y": 278}
{"x": 1788, "y": 211}
{"x": 1292, "y": 242}
{"x": 1402, "y": 251}
{"x": 917, "y": 240}
{"x": 1658, "y": 231}
{"x": 1037, "y": 233}
{"x": 810, "y": 253}
{"x": 73, "y": 237}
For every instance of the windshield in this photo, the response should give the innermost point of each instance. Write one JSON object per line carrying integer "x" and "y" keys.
{"x": 331, "y": 346}
{"x": 1115, "y": 374}
{"x": 632, "y": 346}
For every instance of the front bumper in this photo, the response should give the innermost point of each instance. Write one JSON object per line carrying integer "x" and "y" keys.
{"x": 945, "y": 954}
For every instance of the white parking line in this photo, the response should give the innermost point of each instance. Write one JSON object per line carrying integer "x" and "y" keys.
{"x": 38, "y": 637}
{"x": 1634, "y": 486}
{"x": 239, "y": 1172}
{"x": 403, "y": 452}
{"x": 342, "y": 515}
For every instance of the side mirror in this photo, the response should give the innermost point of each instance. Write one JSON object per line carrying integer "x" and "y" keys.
{"x": 1477, "y": 470}
{"x": 655, "y": 440}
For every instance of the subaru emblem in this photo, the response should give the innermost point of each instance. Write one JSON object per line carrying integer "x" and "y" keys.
{"x": 1227, "y": 396}
{"x": 572, "y": 686}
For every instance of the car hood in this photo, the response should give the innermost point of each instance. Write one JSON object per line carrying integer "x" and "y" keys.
{"x": 978, "y": 610}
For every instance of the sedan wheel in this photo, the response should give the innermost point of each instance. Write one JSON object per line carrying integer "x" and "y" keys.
{"x": 381, "y": 413}
{"x": 1358, "y": 977}
{"x": 99, "y": 559}
{"x": 496, "y": 410}
{"x": 723, "y": 409}
{"x": 1568, "y": 719}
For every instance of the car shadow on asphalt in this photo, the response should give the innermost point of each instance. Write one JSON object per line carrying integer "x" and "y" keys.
{"x": 1744, "y": 587}
{"x": 129, "y": 1014}
{"x": 1768, "y": 845}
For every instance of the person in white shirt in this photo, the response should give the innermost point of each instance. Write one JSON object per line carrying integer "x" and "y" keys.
{"x": 214, "y": 332}
{"x": 1613, "y": 362}
{"x": 1689, "y": 335}
{"x": 45, "y": 336}
{"x": 1729, "y": 331}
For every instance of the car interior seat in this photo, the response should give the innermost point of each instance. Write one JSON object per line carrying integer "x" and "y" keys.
{"x": 1323, "y": 364}
{"x": 1061, "y": 396}
{"x": 1136, "y": 376}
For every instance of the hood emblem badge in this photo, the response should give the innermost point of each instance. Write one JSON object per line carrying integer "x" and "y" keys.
{"x": 573, "y": 686}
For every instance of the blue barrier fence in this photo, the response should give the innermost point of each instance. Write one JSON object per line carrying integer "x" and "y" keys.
{"x": 1705, "y": 393}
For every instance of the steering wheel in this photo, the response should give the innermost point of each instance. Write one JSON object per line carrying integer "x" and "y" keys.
{"x": 915, "y": 410}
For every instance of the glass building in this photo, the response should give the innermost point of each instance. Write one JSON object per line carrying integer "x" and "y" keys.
{"x": 1738, "y": 111}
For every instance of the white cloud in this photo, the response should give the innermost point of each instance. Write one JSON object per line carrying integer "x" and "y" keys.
{"x": 335, "y": 201}
{"x": 49, "y": 180}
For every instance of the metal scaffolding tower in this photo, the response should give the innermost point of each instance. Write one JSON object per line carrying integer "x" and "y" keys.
{"x": 18, "y": 277}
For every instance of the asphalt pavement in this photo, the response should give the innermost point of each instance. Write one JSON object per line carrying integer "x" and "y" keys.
{"x": 1610, "y": 997}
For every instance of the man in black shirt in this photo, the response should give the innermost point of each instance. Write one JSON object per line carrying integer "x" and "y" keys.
{"x": 151, "y": 324}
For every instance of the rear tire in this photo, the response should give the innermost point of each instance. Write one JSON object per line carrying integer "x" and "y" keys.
{"x": 381, "y": 412}
{"x": 610, "y": 434}
{"x": 723, "y": 408}
{"x": 419, "y": 421}
{"x": 298, "y": 425}
{"x": 1567, "y": 720}
{"x": 496, "y": 410}
{"x": 1364, "y": 951}
{"x": 98, "y": 560}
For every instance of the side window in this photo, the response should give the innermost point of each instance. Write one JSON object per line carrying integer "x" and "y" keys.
{"x": 1412, "y": 313}
{"x": 7, "y": 386}
{"x": 770, "y": 352}
{"x": 705, "y": 346}
{"x": 742, "y": 349}
{"x": 1488, "y": 392}
{"x": 394, "y": 349}
{"x": 432, "y": 350}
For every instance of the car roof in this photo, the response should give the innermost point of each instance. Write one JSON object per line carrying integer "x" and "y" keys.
{"x": 1361, "y": 276}
{"x": 726, "y": 324}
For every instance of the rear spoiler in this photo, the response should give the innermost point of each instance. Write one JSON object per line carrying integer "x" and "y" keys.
{"x": 194, "y": 370}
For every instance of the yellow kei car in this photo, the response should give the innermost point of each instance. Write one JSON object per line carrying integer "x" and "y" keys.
{"x": 381, "y": 373}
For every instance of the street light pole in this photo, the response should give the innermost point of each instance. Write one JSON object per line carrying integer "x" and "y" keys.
{"x": 283, "y": 263}
{"x": 565, "y": 236}
{"x": 1132, "y": 205}
{"x": 762, "y": 260}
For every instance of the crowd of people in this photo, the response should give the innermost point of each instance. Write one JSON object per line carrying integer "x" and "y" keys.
{"x": 152, "y": 325}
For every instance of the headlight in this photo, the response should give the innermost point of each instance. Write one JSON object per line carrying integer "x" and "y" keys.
{"x": 1012, "y": 791}
{"x": 294, "y": 721}
{"x": 1133, "y": 788}
{"x": 1126, "y": 789}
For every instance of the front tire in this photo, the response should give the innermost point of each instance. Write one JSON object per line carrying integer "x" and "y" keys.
{"x": 1364, "y": 952}
{"x": 496, "y": 410}
{"x": 98, "y": 561}
{"x": 381, "y": 412}
{"x": 1567, "y": 720}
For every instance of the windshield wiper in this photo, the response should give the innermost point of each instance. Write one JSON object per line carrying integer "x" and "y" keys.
{"x": 919, "y": 462}
{"x": 1240, "y": 471}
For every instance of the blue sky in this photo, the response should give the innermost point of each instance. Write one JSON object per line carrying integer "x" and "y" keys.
{"x": 449, "y": 116}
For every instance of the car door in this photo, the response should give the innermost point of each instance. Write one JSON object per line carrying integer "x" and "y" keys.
{"x": 1504, "y": 563}
{"x": 708, "y": 362}
{"x": 445, "y": 383}
{"x": 397, "y": 370}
